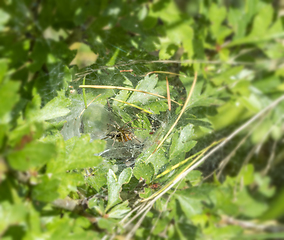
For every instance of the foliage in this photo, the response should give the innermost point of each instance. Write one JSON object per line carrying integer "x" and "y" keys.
{"x": 60, "y": 176}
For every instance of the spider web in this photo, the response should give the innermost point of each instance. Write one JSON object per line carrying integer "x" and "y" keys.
{"x": 146, "y": 118}
{"x": 147, "y": 124}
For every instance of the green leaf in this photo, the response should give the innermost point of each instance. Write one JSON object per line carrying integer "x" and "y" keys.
{"x": 4, "y": 18}
{"x": 82, "y": 223}
{"x": 147, "y": 193}
{"x": 262, "y": 29}
{"x": 33, "y": 107}
{"x": 246, "y": 175}
{"x": 238, "y": 22}
{"x": 248, "y": 206}
{"x": 185, "y": 231}
{"x": 34, "y": 155}
{"x": 112, "y": 61}
{"x": 59, "y": 228}
{"x": 25, "y": 133}
{"x": 268, "y": 84}
{"x": 119, "y": 210}
{"x": 3, "y": 67}
{"x": 227, "y": 76}
{"x": 264, "y": 185}
{"x": 114, "y": 186}
{"x": 98, "y": 205}
{"x": 191, "y": 199}
{"x": 11, "y": 214}
{"x": 149, "y": 22}
{"x": 76, "y": 153}
{"x": 8, "y": 98}
{"x": 147, "y": 84}
{"x": 276, "y": 209}
{"x": 262, "y": 21}
{"x": 181, "y": 142}
{"x": 39, "y": 55}
{"x": 107, "y": 224}
{"x": 157, "y": 107}
{"x": 222, "y": 200}
{"x": 194, "y": 177}
{"x": 217, "y": 15}
{"x": 69, "y": 183}
{"x": 57, "y": 107}
{"x": 47, "y": 190}
{"x": 81, "y": 152}
{"x": 98, "y": 179}
{"x": 143, "y": 170}
{"x": 4, "y": 128}
{"x": 125, "y": 176}
{"x": 225, "y": 232}
{"x": 158, "y": 160}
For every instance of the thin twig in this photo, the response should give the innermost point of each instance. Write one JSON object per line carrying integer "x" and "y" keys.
{"x": 88, "y": 105}
{"x": 84, "y": 93}
{"x": 270, "y": 160}
{"x": 168, "y": 94}
{"x": 271, "y": 226}
{"x": 144, "y": 206}
{"x": 137, "y": 225}
{"x": 225, "y": 161}
{"x": 132, "y": 105}
{"x": 165, "y": 208}
{"x": 267, "y": 133}
{"x": 124, "y": 88}
{"x": 200, "y": 153}
{"x": 164, "y": 72}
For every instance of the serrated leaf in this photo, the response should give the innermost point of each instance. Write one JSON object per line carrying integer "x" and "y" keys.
{"x": 143, "y": 170}
{"x": 147, "y": 84}
{"x": 181, "y": 142}
{"x": 98, "y": 180}
{"x": 191, "y": 201}
{"x": 81, "y": 152}
{"x": 157, "y": 107}
{"x": 57, "y": 107}
{"x": 217, "y": 15}
{"x": 158, "y": 160}
{"x": 263, "y": 29}
{"x": 69, "y": 183}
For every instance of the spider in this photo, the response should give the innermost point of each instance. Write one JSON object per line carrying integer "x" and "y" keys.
{"x": 121, "y": 134}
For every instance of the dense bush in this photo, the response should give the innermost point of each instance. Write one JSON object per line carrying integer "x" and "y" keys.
{"x": 208, "y": 166}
